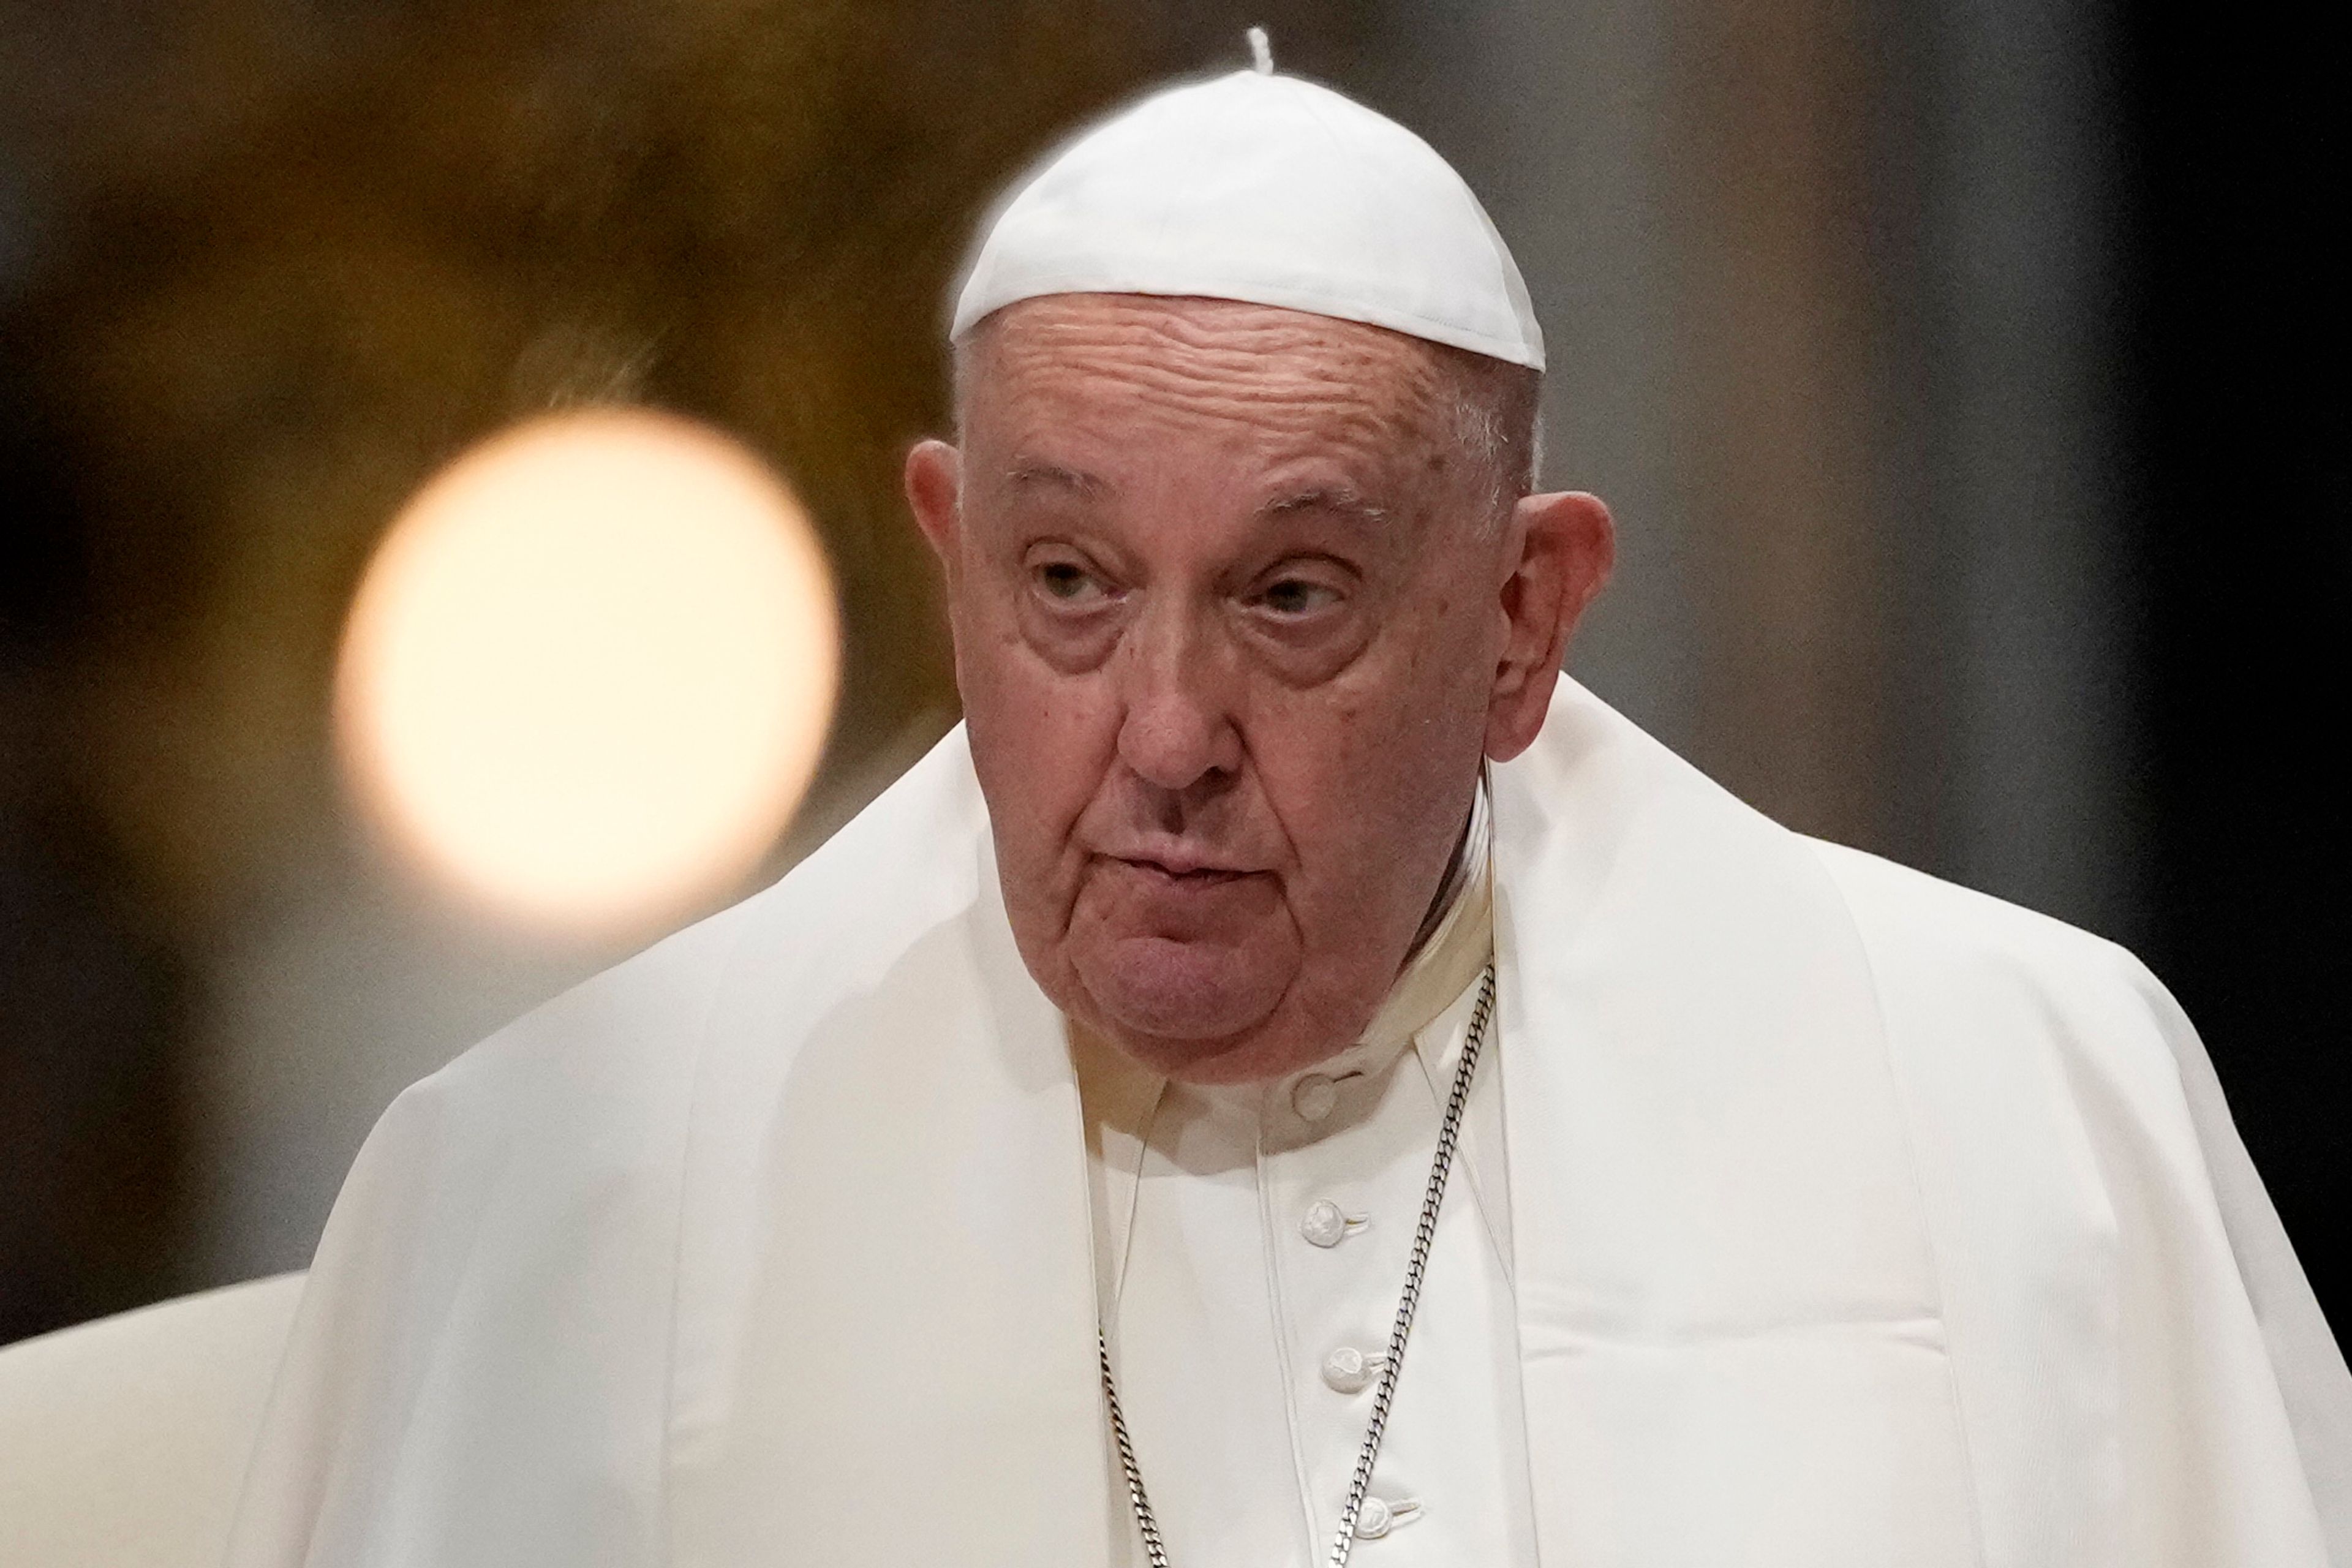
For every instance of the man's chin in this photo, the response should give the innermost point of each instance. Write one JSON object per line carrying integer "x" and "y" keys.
{"x": 1179, "y": 1007}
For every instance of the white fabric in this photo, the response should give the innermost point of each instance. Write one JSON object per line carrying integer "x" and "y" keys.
{"x": 1855, "y": 1220}
{"x": 1203, "y": 1258}
{"x": 122, "y": 1442}
{"x": 1263, "y": 188}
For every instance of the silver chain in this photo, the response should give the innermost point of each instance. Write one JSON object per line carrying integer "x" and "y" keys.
{"x": 1425, "y": 1235}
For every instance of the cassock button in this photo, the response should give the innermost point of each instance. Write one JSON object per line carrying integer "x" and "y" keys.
{"x": 1351, "y": 1371}
{"x": 1326, "y": 1224}
{"x": 1314, "y": 1097}
{"x": 1376, "y": 1518}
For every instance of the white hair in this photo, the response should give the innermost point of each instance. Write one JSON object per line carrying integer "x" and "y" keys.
{"x": 1506, "y": 442}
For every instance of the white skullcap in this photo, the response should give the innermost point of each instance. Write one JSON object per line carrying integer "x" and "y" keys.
{"x": 1265, "y": 188}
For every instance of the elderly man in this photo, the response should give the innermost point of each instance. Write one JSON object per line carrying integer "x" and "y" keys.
{"x": 1292, "y": 1078}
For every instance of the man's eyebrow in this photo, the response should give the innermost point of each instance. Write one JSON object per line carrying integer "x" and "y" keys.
{"x": 1325, "y": 497}
{"x": 1052, "y": 476}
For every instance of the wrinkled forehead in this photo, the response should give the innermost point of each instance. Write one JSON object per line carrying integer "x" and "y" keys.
{"x": 1195, "y": 360}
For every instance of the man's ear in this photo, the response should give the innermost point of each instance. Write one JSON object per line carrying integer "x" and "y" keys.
{"x": 935, "y": 493}
{"x": 1558, "y": 554}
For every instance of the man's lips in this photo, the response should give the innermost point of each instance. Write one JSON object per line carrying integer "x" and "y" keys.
{"x": 1179, "y": 864}
{"x": 1175, "y": 897}
{"x": 1198, "y": 876}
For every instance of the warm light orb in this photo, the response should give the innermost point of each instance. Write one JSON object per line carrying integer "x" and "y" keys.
{"x": 589, "y": 672}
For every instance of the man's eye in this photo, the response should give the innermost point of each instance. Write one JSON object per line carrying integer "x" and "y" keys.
{"x": 1297, "y": 596}
{"x": 1068, "y": 582}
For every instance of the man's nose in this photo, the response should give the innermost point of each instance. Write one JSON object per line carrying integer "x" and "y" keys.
{"x": 1179, "y": 726}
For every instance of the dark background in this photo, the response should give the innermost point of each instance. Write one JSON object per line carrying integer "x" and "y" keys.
{"x": 2236, "y": 379}
{"x": 1968, "y": 383}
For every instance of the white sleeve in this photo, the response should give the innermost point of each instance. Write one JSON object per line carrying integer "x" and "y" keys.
{"x": 2312, "y": 1375}
{"x": 476, "y": 1375}
{"x": 2145, "y": 1376}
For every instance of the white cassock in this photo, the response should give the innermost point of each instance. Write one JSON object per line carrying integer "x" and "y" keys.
{"x": 1263, "y": 1229}
{"x": 1817, "y": 1214}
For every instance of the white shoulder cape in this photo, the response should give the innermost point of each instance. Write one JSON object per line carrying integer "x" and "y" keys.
{"x": 1859, "y": 1220}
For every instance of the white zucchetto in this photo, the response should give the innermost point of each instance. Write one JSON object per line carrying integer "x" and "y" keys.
{"x": 1263, "y": 188}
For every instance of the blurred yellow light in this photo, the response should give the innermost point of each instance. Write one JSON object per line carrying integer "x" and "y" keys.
{"x": 589, "y": 671}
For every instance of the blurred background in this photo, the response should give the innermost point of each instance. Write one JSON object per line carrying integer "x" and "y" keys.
{"x": 1967, "y": 378}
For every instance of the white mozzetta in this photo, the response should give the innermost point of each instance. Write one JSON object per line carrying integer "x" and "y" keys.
{"x": 1853, "y": 1219}
{"x": 123, "y": 1442}
{"x": 1268, "y": 189}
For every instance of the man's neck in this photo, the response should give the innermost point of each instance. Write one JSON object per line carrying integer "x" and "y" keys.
{"x": 1457, "y": 871}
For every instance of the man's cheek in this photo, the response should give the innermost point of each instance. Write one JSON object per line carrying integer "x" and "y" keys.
{"x": 1062, "y": 720}
{"x": 1309, "y": 747}
{"x": 1050, "y": 740}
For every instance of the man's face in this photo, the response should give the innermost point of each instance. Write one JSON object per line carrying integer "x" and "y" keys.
{"x": 1228, "y": 603}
